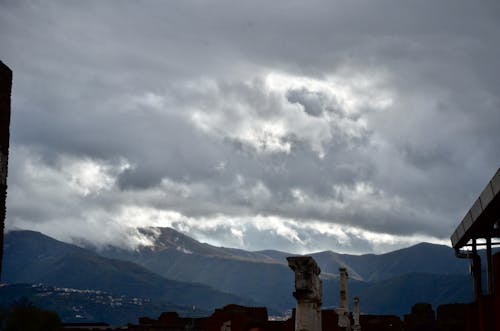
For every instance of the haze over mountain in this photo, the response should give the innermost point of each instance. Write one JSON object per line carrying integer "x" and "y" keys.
{"x": 170, "y": 245}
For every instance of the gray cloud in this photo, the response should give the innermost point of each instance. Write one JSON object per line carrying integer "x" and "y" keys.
{"x": 310, "y": 101}
{"x": 254, "y": 124}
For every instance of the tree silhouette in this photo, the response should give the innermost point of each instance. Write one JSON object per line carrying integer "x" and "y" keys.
{"x": 24, "y": 316}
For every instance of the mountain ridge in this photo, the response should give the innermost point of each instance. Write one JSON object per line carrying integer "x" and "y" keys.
{"x": 368, "y": 267}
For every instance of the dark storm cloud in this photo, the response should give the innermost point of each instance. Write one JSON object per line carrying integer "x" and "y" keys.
{"x": 350, "y": 125}
{"x": 310, "y": 101}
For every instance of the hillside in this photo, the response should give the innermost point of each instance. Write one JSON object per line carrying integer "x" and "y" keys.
{"x": 31, "y": 257}
{"x": 75, "y": 305}
{"x": 421, "y": 258}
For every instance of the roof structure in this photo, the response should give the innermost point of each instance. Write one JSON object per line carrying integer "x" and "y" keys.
{"x": 483, "y": 218}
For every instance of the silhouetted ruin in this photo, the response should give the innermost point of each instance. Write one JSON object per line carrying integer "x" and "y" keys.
{"x": 5, "y": 90}
{"x": 422, "y": 317}
{"x": 343, "y": 310}
{"x": 357, "y": 325}
{"x": 308, "y": 292}
{"x": 238, "y": 318}
{"x": 231, "y": 317}
{"x": 308, "y": 315}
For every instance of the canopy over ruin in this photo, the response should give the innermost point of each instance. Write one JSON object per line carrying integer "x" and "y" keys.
{"x": 482, "y": 220}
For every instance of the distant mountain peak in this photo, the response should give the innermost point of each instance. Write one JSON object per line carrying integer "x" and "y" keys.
{"x": 166, "y": 238}
{"x": 25, "y": 233}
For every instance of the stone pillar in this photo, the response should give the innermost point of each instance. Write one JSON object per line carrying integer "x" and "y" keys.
{"x": 357, "y": 326}
{"x": 308, "y": 293}
{"x": 343, "y": 310}
{"x": 226, "y": 326}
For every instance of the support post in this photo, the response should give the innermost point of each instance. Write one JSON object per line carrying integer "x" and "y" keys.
{"x": 476, "y": 272}
{"x": 489, "y": 267}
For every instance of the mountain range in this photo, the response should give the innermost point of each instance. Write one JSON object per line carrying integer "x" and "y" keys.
{"x": 264, "y": 276}
{"x": 181, "y": 271}
{"x": 423, "y": 257}
{"x": 31, "y": 257}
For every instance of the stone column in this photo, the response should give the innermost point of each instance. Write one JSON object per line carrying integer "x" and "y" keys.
{"x": 308, "y": 293}
{"x": 343, "y": 310}
{"x": 356, "y": 326}
{"x": 226, "y": 326}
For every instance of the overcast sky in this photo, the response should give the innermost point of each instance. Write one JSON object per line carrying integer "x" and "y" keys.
{"x": 356, "y": 126}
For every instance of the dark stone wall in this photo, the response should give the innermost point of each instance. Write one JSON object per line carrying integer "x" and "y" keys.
{"x": 5, "y": 91}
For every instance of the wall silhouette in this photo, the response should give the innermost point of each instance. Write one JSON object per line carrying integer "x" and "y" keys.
{"x": 5, "y": 90}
